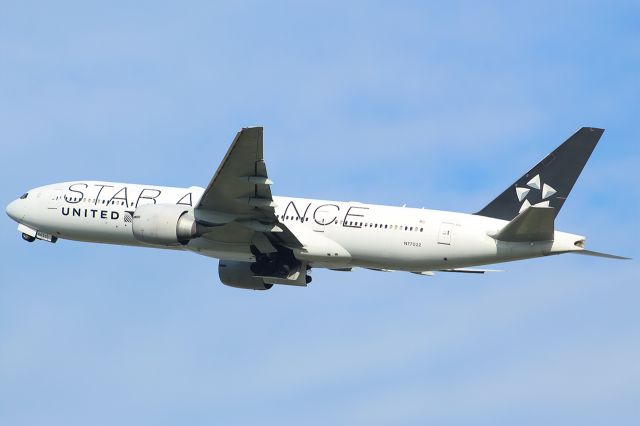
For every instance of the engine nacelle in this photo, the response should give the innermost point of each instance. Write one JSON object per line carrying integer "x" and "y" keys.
{"x": 164, "y": 224}
{"x": 239, "y": 275}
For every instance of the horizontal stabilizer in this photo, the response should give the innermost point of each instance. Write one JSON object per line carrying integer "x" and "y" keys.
{"x": 533, "y": 224}
{"x": 460, "y": 270}
{"x": 471, "y": 271}
{"x": 598, "y": 254}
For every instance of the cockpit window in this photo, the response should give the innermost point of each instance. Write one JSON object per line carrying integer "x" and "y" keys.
{"x": 24, "y": 196}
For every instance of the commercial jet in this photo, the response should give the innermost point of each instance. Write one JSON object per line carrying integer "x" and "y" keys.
{"x": 262, "y": 240}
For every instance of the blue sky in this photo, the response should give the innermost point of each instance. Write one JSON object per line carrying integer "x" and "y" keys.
{"x": 431, "y": 105}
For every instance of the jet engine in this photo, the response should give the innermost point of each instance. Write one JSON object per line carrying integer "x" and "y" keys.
{"x": 239, "y": 275}
{"x": 164, "y": 224}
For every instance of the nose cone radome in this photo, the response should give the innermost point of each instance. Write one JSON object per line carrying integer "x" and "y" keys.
{"x": 14, "y": 210}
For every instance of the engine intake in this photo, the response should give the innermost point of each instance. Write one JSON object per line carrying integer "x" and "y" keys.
{"x": 164, "y": 224}
{"x": 239, "y": 275}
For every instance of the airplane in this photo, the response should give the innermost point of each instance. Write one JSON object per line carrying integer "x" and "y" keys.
{"x": 262, "y": 240}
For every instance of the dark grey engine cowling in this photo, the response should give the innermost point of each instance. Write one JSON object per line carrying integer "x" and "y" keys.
{"x": 239, "y": 275}
{"x": 164, "y": 224}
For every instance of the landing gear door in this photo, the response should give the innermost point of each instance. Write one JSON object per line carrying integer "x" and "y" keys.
{"x": 445, "y": 233}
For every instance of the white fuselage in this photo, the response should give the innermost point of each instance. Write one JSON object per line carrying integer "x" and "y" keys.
{"x": 335, "y": 234}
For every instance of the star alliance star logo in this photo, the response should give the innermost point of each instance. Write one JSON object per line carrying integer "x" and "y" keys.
{"x": 546, "y": 191}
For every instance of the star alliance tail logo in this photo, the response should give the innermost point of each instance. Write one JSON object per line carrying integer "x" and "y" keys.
{"x": 545, "y": 190}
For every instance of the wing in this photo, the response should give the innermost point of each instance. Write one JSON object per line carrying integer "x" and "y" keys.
{"x": 240, "y": 186}
{"x": 240, "y": 191}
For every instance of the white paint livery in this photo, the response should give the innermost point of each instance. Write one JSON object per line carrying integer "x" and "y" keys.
{"x": 263, "y": 240}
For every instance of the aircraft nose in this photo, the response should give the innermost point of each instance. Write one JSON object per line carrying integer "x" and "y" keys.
{"x": 13, "y": 210}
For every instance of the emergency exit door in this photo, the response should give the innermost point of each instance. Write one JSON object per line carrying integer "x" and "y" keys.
{"x": 445, "y": 233}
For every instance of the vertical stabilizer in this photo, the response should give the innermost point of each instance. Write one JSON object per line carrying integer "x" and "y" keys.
{"x": 549, "y": 182}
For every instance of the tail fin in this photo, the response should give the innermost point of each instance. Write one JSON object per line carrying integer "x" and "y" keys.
{"x": 549, "y": 182}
